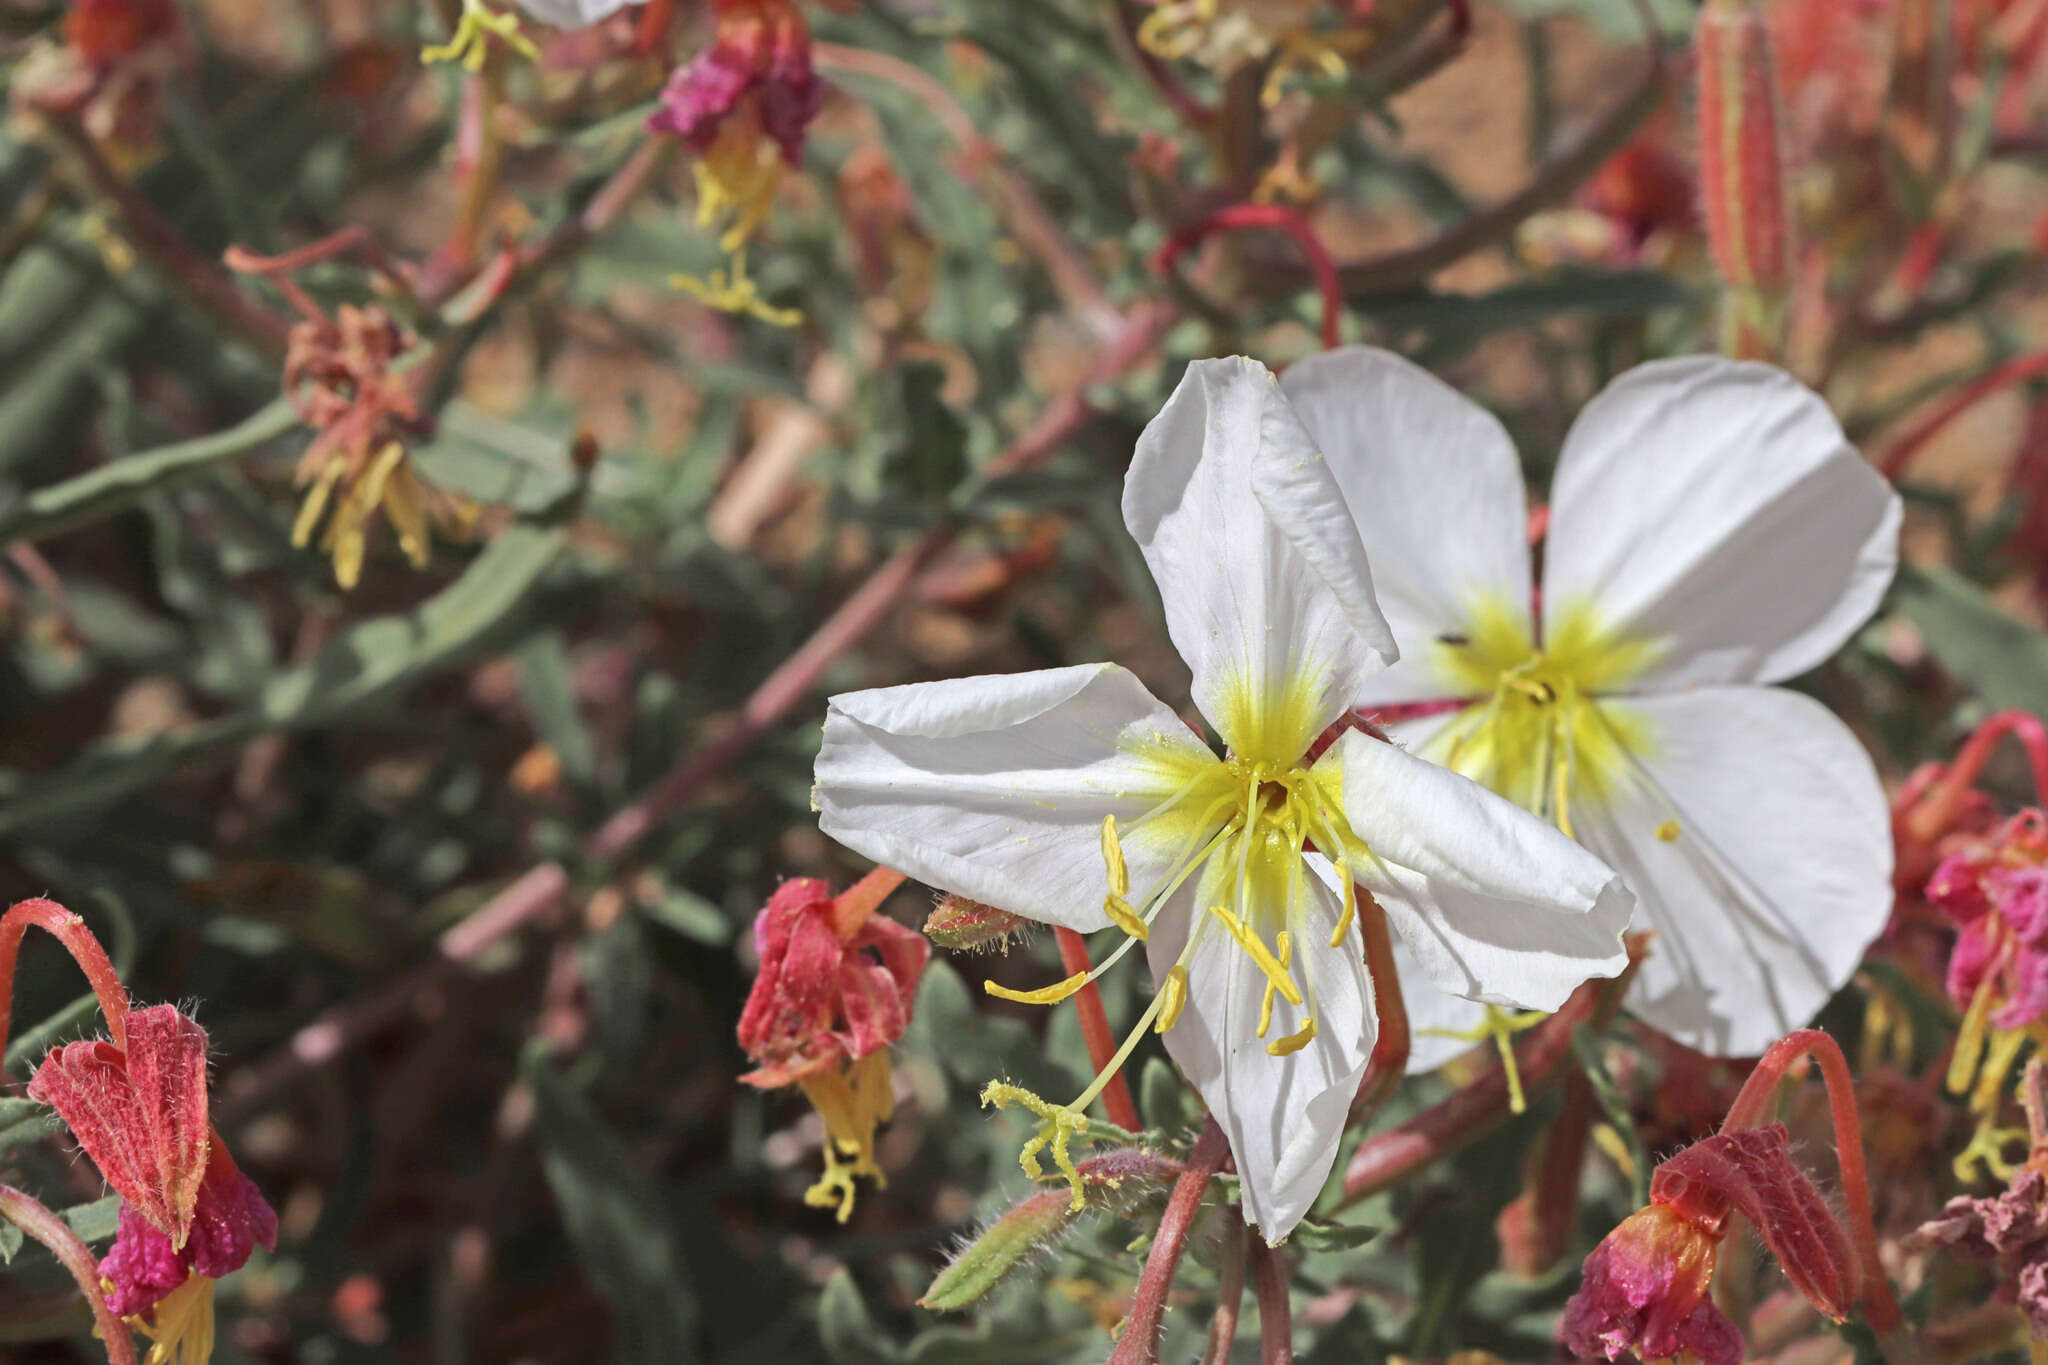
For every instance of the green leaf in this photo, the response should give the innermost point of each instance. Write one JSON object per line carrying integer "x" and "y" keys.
{"x": 97, "y": 1221}
{"x": 2002, "y": 658}
{"x": 850, "y": 1334}
{"x": 547, "y": 685}
{"x": 25, "y": 1120}
{"x": 1586, "y": 1044}
{"x": 365, "y": 662}
{"x": 616, "y": 1220}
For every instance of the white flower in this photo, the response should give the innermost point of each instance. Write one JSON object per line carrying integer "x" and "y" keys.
{"x": 574, "y": 14}
{"x": 1710, "y": 530}
{"x": 1073, "y": 797}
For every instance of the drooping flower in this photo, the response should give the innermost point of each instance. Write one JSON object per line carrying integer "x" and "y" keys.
{"x": 2009, "y": 1229}
{"x": 1073, "y": 797}
{"x": 341, "y": 374}
{"x": 1645, "y": 1287}
{"x": 1710, "y": 531}
{"x": 835, "y": 990}
{"x": 188, "y": 1214}
{"x": 743, "y": 105}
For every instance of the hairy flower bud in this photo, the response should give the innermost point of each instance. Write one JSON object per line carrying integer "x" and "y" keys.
{"x": 961, "y": 924}
{"x": 1745, "y": 200}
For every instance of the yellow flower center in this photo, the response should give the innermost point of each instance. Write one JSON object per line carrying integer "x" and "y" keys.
{"x": 852, "y": 1099}
{"x": 1541, "y": 733}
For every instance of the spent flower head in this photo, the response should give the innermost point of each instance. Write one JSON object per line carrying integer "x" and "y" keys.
{"x": 836, "y": 988}
{"x": 1073, "y": 797}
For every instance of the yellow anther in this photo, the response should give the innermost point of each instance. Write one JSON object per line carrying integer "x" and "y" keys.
{"x": 1294, "y": 1042}
{"x": 1286, "y": 947}
{"x": 1120, "y": 913}
{"x": 1113, "y": 859}
{"x": 1259, "y": 953}
{"x": 1062, "y": 1123}
{"x": 1350, "y": 906}
{"x": 1173, "y": 997}
{"x": 1962, "y": 1065}
{"x": 469, "y": 44}
{"x": 1044, "y": 995}
{"x": 1501, "y": 1027}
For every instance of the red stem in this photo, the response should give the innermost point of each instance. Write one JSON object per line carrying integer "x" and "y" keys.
{"x": 1931, "y": 814}
{"x": 1749, "y": 1110}
{"x": 1139, "y": 1344}
{"x": 1477, "y": 1109}
{"x": 2014, "y": 371}
{"x": 1116, "y": 1096}
{"x": 1279, "y": 217}
{"x": 1231, "y": 1259}
{"x": 1389, "y": 1060}
{"x": 33, "y": 1217}
{"x": 1276, "y": 1315}
{"x": 85, "y": 950}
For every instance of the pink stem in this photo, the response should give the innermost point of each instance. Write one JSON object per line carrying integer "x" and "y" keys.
{"x": 2014, "y": 371}
{"x": 1231, "y": 1259}
{"x": 1930, "y": 814}
{"x": 1276, "y": 1315}
{"x": 1749, "y": 1110}
{"x": 1278, "y": 216}
{"x": 85, "y": 950}
{"x": 1139, "y": 1344}
{"x": 1389, "y": 1060}
{"x": 34, "y": 1218}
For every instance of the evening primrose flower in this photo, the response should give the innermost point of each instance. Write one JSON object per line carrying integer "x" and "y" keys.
{"x": 1073, "y": 797}
{"x": 1711, "y": 530}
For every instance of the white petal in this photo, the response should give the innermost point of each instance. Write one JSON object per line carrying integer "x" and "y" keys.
{"x": 1440, "y": 1025}
{"x": 1497, "y": 905}
{"x": 1716, "y": 506}
{"x": 1284, "y": 1116}
{"x": 1781, "y": 872}
{"x": 572, "y": 14}
{"x": 995, "y": 787}
{"x": 1434, "y": 484}
{"x": 1258, "y": 563}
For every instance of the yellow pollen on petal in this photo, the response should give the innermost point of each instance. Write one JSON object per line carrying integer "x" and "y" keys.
{"x": 1125, "y": 918}
{"x": 1294, "y": 1042}
{"x": 1044, "y": 995}
{"x": 1668, "y": 831}
{"x": 1173, "y": 996}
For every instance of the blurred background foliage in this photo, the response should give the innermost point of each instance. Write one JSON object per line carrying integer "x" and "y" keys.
{"x": 458, "y": 865}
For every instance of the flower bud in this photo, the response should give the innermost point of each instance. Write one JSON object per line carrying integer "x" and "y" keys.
{"x": 960, "y": 924}
{"x": 1744, "y": 198}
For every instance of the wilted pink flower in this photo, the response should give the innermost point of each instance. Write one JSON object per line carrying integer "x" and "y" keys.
{"x": 836, "y": 988}
{"x": 1646, "y": 1285}
{"x": 762, "y": 49}
{"x": 231, "y": 1220}
{"x": 1995, "y": 891}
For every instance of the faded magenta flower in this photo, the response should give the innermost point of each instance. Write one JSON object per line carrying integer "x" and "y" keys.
{"x": 1646, "y": 1285}
{"x": 188, "y": 1215}
{"x": 836, "y": 988}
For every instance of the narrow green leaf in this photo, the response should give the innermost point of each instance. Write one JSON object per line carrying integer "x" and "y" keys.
{"x": 97, "y": 1221}
{"x": 849, "y": 1331}
{"x": 25, "y": 1120}
{"x": 2002, "y": 658}
{"x": 617, "y": 1221}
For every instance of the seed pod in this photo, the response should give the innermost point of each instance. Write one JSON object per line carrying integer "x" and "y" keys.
{"x": 1745, "y": 201}
{"x": 961, "y": 924}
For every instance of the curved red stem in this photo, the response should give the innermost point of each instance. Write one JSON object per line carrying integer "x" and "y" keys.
{"x": 85, "y": 950}
{"x": 2013, "y": 371}
{"x": 34, "y": 1218}
{"x": 1930, "y": 813}
{"x": 1276, "y": 216}
{"x": 1139, "y": 1344}
{"x": 1749, "y": 1110}
{"x": 1116, "y": 1096}
{"x": 1276, "y": 1315}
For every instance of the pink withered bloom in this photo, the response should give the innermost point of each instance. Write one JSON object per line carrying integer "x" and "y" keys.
{"x": 743, "y": 105}
{"x": 1646, "y": 1285}
{"x": 2010, "y": 1229}
{"x": 188, "y": 1215}
{"x": 836, "y": 988}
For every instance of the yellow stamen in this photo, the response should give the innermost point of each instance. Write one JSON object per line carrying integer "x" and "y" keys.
{"x": 852, "y": 1101}
{"x": 1350, "y": 906}
{"x": 1294, "y": 1042}
{"x": 1962, "y": 1065}
{"x": 1286, "y": 947}
{"x": 469, "y": 45}
{"x": 1113, "y": 859}
{"x": 1125, "y": 918}
{"x": 316, "y": 501}
{"x": 1561, "y": 797}
{"x": 1044, "y": 995}
{"x": 180, "y": 1327}
{"x": 1259, "y": 954}
{"x": 1173, "y": 996}
{"x": 1500, "y": 1026}
{"x": 1062, "y": 1124}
